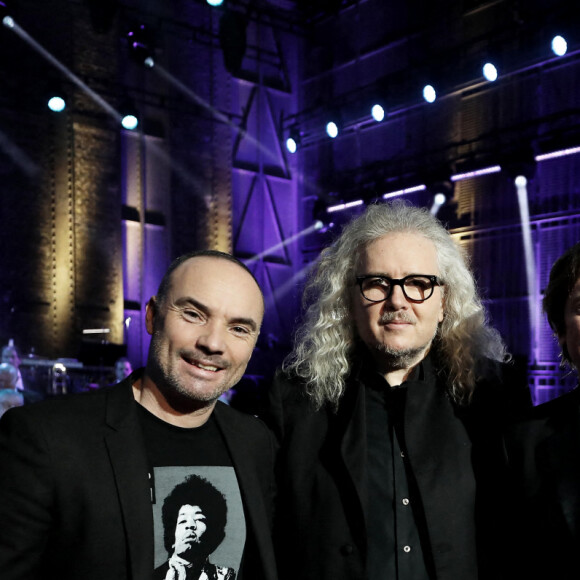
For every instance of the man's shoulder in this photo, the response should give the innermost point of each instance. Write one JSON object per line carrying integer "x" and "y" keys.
{"x": 75, "y": 408}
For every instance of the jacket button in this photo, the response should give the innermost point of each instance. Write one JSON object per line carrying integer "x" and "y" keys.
{"x": 346, "y": 550}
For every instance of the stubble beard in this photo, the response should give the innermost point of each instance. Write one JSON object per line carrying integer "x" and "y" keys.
{"x": 171, "y": 386}
{"x": 394, "y": 359}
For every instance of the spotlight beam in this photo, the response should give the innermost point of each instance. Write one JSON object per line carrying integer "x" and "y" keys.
{"x": 315, "y": 226}
{"x": 63, "y": 69}
{"x": 161, "y": 154}
{"x": 289, "y": 285}
{"x": 522, "y": 193}
{"x": 18, "y": 156}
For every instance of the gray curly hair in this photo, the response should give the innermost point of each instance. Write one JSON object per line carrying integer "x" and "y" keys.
{"x": 325, "y": 341}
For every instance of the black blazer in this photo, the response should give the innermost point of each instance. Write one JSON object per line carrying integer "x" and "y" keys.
{"x": 544, "y": 454}
{"x": 74, "y": 492}
{"x": 457, "y": 458}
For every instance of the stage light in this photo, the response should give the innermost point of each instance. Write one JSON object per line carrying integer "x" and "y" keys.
{"x": 343, "y": 206}
{"x": 130, "y": 122}
{"x": 521, "y": 181}
{"x": 332, "y": 129}
{"x": 429, "y": 93}
{"x": 378, "y": 112}
{"x": 557, "y": 153}
{"x": 8, "y": 21}
{"x": 559, "y": 45}
{"x": 441, "y": 191}
{"x": 56, "y": 104}
{"x": 439, "y": 198}
{"x": 490, "y": 71}
{"x": 129, "y": 116}
{"x": 476, "y": 173}
{"x": 294, "y": 139}
{"x": 399, "y": 192}
{"x": 215, "y": 2}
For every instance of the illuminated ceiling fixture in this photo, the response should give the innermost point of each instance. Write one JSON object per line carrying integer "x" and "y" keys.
{"x": 294, "y": 139}
{"x": 56, "y": 103}
{"x": 476, "y": 173}
{"x": 332, "y": 129}
{"x": 559, "y": 45}
{"x": 429, "y": 93}
{"x": 129, "y": 116}
{"x": 399, "y": 192}
{"x": 343, "y": 206}
{"x": 490, "y": 71}
{"x": 378, "y": 112}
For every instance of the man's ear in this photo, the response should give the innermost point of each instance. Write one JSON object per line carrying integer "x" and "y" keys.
{"x": 150, "y": 312}
{"x": 442, "y": 312}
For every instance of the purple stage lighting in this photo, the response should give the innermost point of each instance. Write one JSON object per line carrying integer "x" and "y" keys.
{"x": 556, "y": 154}
{"x": 343, "y": 206}
{"x": 476, "y": 173}
{"x": 413, "y": 189}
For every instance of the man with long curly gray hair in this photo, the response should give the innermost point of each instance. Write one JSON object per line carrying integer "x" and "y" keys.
{"x": 389, "y": 412}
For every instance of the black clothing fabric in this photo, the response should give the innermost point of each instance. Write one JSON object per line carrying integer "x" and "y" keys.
{"x": 170, "y": 445}
{"x": 456, "y": 456}
{"x": 544, "y": 455}
{"x": 396, "y": 547}
{"x": 75, "y": 496}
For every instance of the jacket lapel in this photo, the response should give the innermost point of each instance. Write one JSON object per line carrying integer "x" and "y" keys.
{"x": 130, "y": 468}
{"x": 348, "y": 434}
{"x": 251, "y": 488}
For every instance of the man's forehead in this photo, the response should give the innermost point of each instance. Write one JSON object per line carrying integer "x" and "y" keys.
{"x": 203, "y": 271}
{"x": 214, "y": 264}
{"x": 412, "y": 246}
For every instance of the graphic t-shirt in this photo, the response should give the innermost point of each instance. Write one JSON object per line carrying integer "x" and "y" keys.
{"x": 198, "y": 516}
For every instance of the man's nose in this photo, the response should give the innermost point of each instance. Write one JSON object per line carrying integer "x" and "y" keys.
{"x": 211, "y": 338}
{"x": 397, "y": 299}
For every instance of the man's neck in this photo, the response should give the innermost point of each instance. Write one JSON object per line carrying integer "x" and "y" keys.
{"x": 398, "y": 377}
{"x": 148, "y": 395}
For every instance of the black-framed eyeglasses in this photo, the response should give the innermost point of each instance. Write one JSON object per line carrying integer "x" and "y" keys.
{"x": 416, "y": 287}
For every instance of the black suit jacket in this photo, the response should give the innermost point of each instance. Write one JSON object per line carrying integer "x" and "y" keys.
{"x": 74, "y": 491}
{"x": 457, "y": 458}
{"x": 544, "y": 453}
